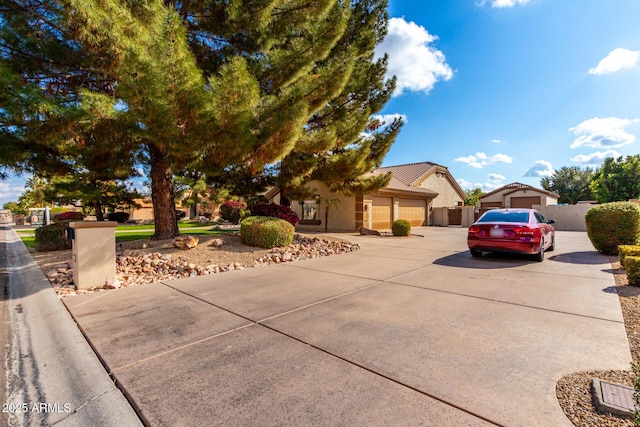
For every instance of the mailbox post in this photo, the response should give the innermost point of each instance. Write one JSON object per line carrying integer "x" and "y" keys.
{"x": 93, "y": 246}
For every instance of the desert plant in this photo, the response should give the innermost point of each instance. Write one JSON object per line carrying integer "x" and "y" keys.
{"x": 68, "y": 216}
{"x": 276, "y": 211}
{"x": 401, "y": 227}
{"x": 632, "y": 265}
{"x": 230, "y": 210}
{"x": 119, "y": 217}
{"x": 52, "y": 237}
{"x": 627, "y": 250}
{"x": 613, "y": 224}
{"x": 266, "y": 232}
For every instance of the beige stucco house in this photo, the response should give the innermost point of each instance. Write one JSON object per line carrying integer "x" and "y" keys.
{"x": 414, "y": 190}
{"x": 517, "y": 195}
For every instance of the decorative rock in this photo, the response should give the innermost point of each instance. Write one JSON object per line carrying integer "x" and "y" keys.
{"x": 217, "y": 243}
{"x": 185, "y": 242}
{"x": 365, "y": 231}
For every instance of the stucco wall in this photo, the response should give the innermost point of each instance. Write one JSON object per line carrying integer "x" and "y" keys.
{"x": 342, "y": 214}
{"x": 447, "y": 194}
{"x": 567, "y": 217}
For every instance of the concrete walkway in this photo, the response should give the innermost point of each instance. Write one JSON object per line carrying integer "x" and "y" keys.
{"x": 51, "y": 374}
{"x": 405, "y": 331}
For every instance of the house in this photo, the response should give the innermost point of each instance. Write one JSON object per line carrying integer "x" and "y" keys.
{"x": 517, "y": 195}
{"x": 414, "y": 190}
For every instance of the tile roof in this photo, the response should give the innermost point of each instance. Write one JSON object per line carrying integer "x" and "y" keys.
{"x": 409, "y": 174}
{"x": 395, "y": 185}
{"x": 515, "y": 186}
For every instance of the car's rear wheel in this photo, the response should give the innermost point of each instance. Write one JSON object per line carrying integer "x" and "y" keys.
{"x": 475, "y": 252}
{"x": 553, "y": 243}
{"x": 540, "y": 255}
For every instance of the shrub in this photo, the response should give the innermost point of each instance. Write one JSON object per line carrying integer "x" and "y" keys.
{"x": 230, "y": 210}
{"x": 52, "y": 237}
{"x": 276, "y": 211}
{"x": 613, "y": 224}
{"x": 401, "y": 227}
{"x": 119, "y": 217}
{"x": 632, "y": 265}
{"x": 266, "y": 232}
{"x": 627, "y": 250}
{"x": 69, "y": 216}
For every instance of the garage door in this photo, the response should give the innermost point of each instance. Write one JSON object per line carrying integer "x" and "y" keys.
{"x": 413, "y": 211}
{"x": 487, "y": 205}
{"x": 381, "y": 208}
{"x": 525, "y": 202}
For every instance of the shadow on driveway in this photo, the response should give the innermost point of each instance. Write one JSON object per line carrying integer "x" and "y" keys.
{"x": 584, "y": 258}
{"x": 489, "y": 260}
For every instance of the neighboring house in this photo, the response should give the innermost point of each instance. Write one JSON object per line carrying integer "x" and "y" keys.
{"x": 414, "y": 190}
{"x": 517, "y": 195}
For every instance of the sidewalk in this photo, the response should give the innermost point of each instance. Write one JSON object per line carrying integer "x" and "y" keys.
{"x": 52, "y": 375}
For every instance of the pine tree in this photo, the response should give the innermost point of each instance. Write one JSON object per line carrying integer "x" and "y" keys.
{"x": 342, "y": 143}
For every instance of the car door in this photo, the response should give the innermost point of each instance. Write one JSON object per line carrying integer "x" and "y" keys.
{"x": 544, "y": 227}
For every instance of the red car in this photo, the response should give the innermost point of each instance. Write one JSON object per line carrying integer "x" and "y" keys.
{"x": 512, "y": 230}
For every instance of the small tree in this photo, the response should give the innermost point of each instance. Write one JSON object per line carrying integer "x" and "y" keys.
{"x": 571, "y": 183}
{"x": 617, "y": 180}
{"x": 473, "y": 197}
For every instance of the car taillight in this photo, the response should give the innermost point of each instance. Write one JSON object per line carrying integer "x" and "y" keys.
{"x": 474, "y": 230}
{"x": 524, "y": 231}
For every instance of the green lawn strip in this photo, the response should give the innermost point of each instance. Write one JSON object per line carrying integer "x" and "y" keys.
{"x": 30, "y": 240}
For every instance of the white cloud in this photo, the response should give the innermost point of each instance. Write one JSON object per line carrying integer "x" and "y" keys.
{"x": 493, "y": 181}
{"x": 540, "y": 168}
{"x": 480, "y": 159}
{"x": 387, "y": 119}
{"x": 609, "y": 132}
{"x": 594, "y": 159}
{"x": 502, "y": 3}
{"x": 10, "y": 190}
{"x": 416, "y": 64}
{"x": 616, "y": 60}
{"x": 496, "y": 141}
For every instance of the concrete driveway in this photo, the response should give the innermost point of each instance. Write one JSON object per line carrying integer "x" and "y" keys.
{"x": 405, "y": 331}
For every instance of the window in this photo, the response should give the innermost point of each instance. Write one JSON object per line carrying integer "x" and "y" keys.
{"x": 309, "y": 210}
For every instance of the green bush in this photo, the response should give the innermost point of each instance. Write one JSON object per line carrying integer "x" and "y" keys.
{"x": 266, "y": 232}
{"x": 52, "y": 237}
{"x": 613, "y": 224}
{"x": 401, "y": 227}
{"x": 627, "y": 250}
{"x": 632, "y": 265}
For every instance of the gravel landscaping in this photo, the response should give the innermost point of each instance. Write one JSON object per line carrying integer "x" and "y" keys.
{"x": 574, "y": 391}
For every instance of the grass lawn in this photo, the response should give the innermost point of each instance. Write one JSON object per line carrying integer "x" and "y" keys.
{"x": 135, "y": 233}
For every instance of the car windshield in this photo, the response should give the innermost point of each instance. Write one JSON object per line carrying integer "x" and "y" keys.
{"x": 505, "y": 216}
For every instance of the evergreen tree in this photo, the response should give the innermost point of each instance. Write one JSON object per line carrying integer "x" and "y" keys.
{"x": 571, "y": 183}
{"x": 226, "y": 83}
{"x": 342, "y": 143}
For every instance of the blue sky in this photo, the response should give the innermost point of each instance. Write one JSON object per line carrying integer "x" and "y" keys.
{"x": 501, "y": 91}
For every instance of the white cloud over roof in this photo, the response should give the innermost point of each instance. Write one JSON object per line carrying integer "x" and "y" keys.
{"x": 594, "y": 159}
{"x": 493, "y": 181}
{"x": 540, "y": 168}
{"x": 480, "y": 159}
{"x": 412, "y": 59}
{"x": 609, "y": 132}
{"x": 616, "y": 60}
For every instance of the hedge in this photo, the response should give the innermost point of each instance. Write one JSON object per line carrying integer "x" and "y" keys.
{"x": 632, "y": 265}
{"x": 625, "y": 251}
{"x": 613, "y": 224}
{"x": 266, "y": 232}
{"x": 401, "y": 227}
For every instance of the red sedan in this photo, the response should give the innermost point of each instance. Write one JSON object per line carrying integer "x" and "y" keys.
{"x": 512, "y": 230}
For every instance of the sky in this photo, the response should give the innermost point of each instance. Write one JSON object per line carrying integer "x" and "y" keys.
{"x": 503, "y": 91}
